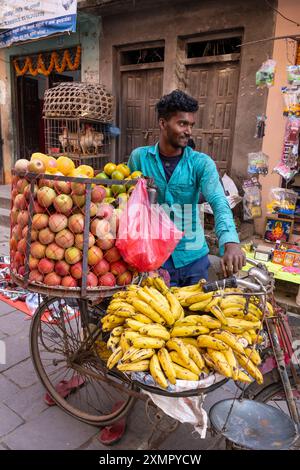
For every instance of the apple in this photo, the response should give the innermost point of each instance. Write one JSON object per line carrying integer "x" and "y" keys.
{"x": 124, "y": 279}
{"x": 73, "y": 255}
{"x": 64, "y": 238}
{"x": 107, "y": 279}
{"x": 20, "y": 202}
{"x": 37, "y": 208}
{"x": 104, "y": 210}
{"x": 52, "y": 279}
{"x": 22, "y": 218}
{"x": 118, "y": 188}
{"x": 79, "y": 240}
{"x": 118, "y": 267}
{"x": 112, "y": 255}
{"x": 19, "y": 259}
{"x": 55, "y": 252}
{"x": 63, "y": 203}
{"x": 27, "y": 191}
{"x": 46, "y": 236}
{"x": 101, "y": 268}
{"x": 46, "y": 182}
{"x": 36, "y": 276}
{"x": 37, "y": 250}
{"x": 76, "y": 223}
{"x": 79, "y": 200}
{"x": 62, "y": 268}
{"x": 13, "y": 245}
{"x": 33, "y": 236}
{"x": 36, "y": 166}
{"x": 93, "y": 209}
{"x": 91, "y": 280}
{"x": 100, "y": 227}
{"x": 21, "y": 271}
{"x": 109, "y": 168}
{"x": 46, "y": 266}
{"x": 69, "y": 281}
{"x": 57, "y": 222}
{"x": 62, "y": 187}
{"x": 21, "y": 185}
{"x": 14, "y": 215}
{"x": 21, "y": 247}
{"x": 21, "y": 165}
{"x": 106, "y": 242}
{"x": 33, "y": 263}
{"x": 94, "y": 255}
{"x": 98, "y": 194}
{"x": 46, "y": 196}
{"x": 78, "y": 188}
{"x": 102, "y": 176}
{"x": 76, "y": 270}
{"x": 40, "y": 221}
{"x": 17, "y": 232}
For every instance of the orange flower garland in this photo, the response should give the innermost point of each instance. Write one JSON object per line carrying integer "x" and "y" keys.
{"x": 54, "y": 63}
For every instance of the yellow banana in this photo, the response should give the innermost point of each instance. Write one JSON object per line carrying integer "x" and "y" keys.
{"x": 195, "y": 356}
{"x": 250, "y": 317}
{"x": 157, "y": 306}
{"x": 130, "y": 352}
{"x": 253, "y": 355}
{"x": 178, "y": 345}
{"x": 113, "y": 342}
{"x": 270, "y": 310}
{"x": 247, "y": 325}
{"x": 190, "y": 365}
{"x": 208, "y": 361}
{"x": 251, "y": 368}
{"x": 199, "y": 297}
{"x": 191, "y": 320}
{"x": 206, "y": 341}
{"x": 110, "y": 323}
{"x": 167, "y": 365}
{"x": 117, "y": 331}
{"x": 124, "y": 343}
{"x": 192, "y": 341}
{"x": 141, "y": 366}
{"x": 217, "y": 312}
{"x": 184, "y": 374}
{"x": 231, "y": 359}
{"x": 142, "y": 318}
{"x": 220, "y": 362}
{"x": 187, "y": 330}
{"x": 132, "y": 287}
{"x": 160, "y": 285}
{"x": 148, "y": 281}
{"x": 157, "y": 373}
{"x": 156, "y": 331}
{"x": 133, "y": 324}
{"x": 199, "y": 306}
{"x": 114, "y": 357}
{"x": 245, "y": 337}
{"x": 209, "y": 322}
{"x": 157, "y": 296}
{"x": 122, "y": 313}
{"x": 141, "y": 354}
{"x": 115, "y": 305}
{"x": 214, "y": 302}
{"x": 234, "y": 312}
{"x": 234, "y": 301}
{"x": 236, "y": 330}
{"x": 145, "y": 342}
{"x": 129, "y": 334}
{"x": 242, "y": 377}
{"x": 228, "y": 339}
{"x": 142, "y": 307}
{"x": 175, "y": 307}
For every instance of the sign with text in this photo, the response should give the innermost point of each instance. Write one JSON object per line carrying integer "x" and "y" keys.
{"x": 23, "y": 20}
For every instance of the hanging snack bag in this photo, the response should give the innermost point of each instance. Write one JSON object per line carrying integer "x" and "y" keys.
{"x": 252, "y": 199}
{"x": 282, "y": 201}
{"x": 258, "y": 163}
{"x": 265, "y": 75}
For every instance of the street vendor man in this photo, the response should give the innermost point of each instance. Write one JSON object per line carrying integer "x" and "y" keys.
{"x": 181, "y": 174}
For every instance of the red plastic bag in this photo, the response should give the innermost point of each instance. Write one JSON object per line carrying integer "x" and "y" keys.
{"x": 146, "y": 236}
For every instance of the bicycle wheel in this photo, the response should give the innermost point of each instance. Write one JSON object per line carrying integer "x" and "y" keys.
{"x": 62, "y": 339}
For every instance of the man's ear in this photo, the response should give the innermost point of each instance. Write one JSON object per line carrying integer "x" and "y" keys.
{"x": 162, "y": 123}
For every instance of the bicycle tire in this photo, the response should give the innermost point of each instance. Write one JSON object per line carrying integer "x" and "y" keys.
{"x": 92, "y": 419}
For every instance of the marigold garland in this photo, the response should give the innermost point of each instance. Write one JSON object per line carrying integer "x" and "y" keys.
{"x": 54, "y": 62}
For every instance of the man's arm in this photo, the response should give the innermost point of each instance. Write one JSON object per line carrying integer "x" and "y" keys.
{"x": 233, "y": 257}
{"x": 134, "y": 161}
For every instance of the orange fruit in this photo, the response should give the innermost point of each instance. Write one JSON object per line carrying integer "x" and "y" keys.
{"x": 109, "y": 168}
{"x": 124, "y": 169}
{"x": 65, "y": 165}
{"x": 85, "y": 170}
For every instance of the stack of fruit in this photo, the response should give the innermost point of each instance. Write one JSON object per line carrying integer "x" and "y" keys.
{"x": 151, "y": 331}
{"x": 58, "y": 222}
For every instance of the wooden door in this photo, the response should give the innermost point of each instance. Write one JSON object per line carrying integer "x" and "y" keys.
{"x": 215, "y": 86}
{"x": 29, "y": 116}
{"x": 141, "y": 89}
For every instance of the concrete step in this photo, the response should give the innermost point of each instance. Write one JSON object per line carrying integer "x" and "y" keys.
{"x": 5, "y": 196}
{"x": 4, "y": 217}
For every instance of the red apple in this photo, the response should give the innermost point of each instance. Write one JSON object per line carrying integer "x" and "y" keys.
{"x": 57, "y": 222}
{"x": 69, "y": 281}
{"x": 17, "y": 232}
{"x": 106, "y": 242}
{"x": 46, "y": 266}
{"x": 124, "y": 279}
{"x": 94, "y": 255}
{"x": 78, "y": 188}
{"x": 33, "y": 263}
{"x": 33, "y": 236}
{"x": 62, "y": 187}
{"x": 112, "y": 255}
{"x": 100, "y": 227}
{"x": 52, "y": 279}
{"x": 104, "y": 210}
{"x": 64, "y": 238}
{"x": 91, "y": 280}
{"x": 62, "y": 268}
{"x": 76, "y": 223}
{"x": 78, "y": 200}
{"x": 93, "y": 209}
{"x": 19, "y": 259}
{"x": 40, "y": 221}
{"x": 22, "y": 246}
{"x": 14, "y": 215}
{"x": 76, "y": 270}
{"x": 63, "y": 204}
{"x": 27, "y": 191}
{"x": 101, "y": 268}
{"x": 79, "y": 240}
{"x": 20, "y": 202}
{"x": 46, "y": 236}
{"x": 14, "y": 193}
{"x": 36, "y": 276}
{"x": 46, "y": 182}
{"x": 55, "y": 252}
{"x": 21, "y": 271}
{"x": 37, "y": 208}
{"x": 118, "y": 267}
{"x": 13, "y": 244}
{"x": 37, "y": 250}
{"x": 107, "y": 279}
{"x": 73, "y": 255}
{"x": 46, "y": 196}
{"x": 21, "y": 185}
{"x": 23, "y": 217}
{"x": 98, "y": 194}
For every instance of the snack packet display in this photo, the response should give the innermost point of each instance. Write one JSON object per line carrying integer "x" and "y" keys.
{"x": 293, "y": 74}
{"x": 258, "y": 163}
{"x": 291, "y": 96}
{"x": 252, "y": 199}
{"x": 265, "y": 74}
{"x": 282, "y": 201}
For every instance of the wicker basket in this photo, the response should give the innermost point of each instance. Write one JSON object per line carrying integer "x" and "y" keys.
{"x": 81, "y": 100}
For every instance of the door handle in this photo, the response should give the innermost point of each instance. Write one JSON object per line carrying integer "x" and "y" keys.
{"x": 146, "y": 134}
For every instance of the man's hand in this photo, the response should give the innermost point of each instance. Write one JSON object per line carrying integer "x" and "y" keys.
{"x": 233, "y": 260}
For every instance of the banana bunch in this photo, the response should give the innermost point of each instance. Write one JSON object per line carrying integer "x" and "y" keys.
{"x": 151, "y": 332}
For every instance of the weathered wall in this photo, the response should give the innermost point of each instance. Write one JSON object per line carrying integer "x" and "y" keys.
{"x": 88, "y": 34}
{"x": 273, "y": 140}
{"x": 174, "y": 19}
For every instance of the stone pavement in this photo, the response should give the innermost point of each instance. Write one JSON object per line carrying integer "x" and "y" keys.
{"x": 26, "y": 422}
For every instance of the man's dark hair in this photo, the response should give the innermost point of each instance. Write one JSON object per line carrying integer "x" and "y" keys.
{"x": 175, "y": 101}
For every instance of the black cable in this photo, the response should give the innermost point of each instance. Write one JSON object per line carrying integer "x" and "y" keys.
{"x": 281, "y": 14}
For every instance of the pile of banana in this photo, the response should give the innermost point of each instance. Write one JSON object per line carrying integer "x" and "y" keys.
{"x": 179, "y": 333}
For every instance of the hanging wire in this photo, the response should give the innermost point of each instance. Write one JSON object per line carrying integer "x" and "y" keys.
{"x": 281, "y": 14}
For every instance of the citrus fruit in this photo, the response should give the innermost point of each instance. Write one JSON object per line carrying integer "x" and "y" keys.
{"x": 102, "y": 176}
{"x": 65, "y": 165}
{"x": 118, "y": 188}
{"x": 117, "y": 175}
{"x": 109, "y": 168}
{"x": 136, "y": 174}
{"x": 51, "y": 165}
{"x": 124, "y": 169}
{"x": 86, "y": 170}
